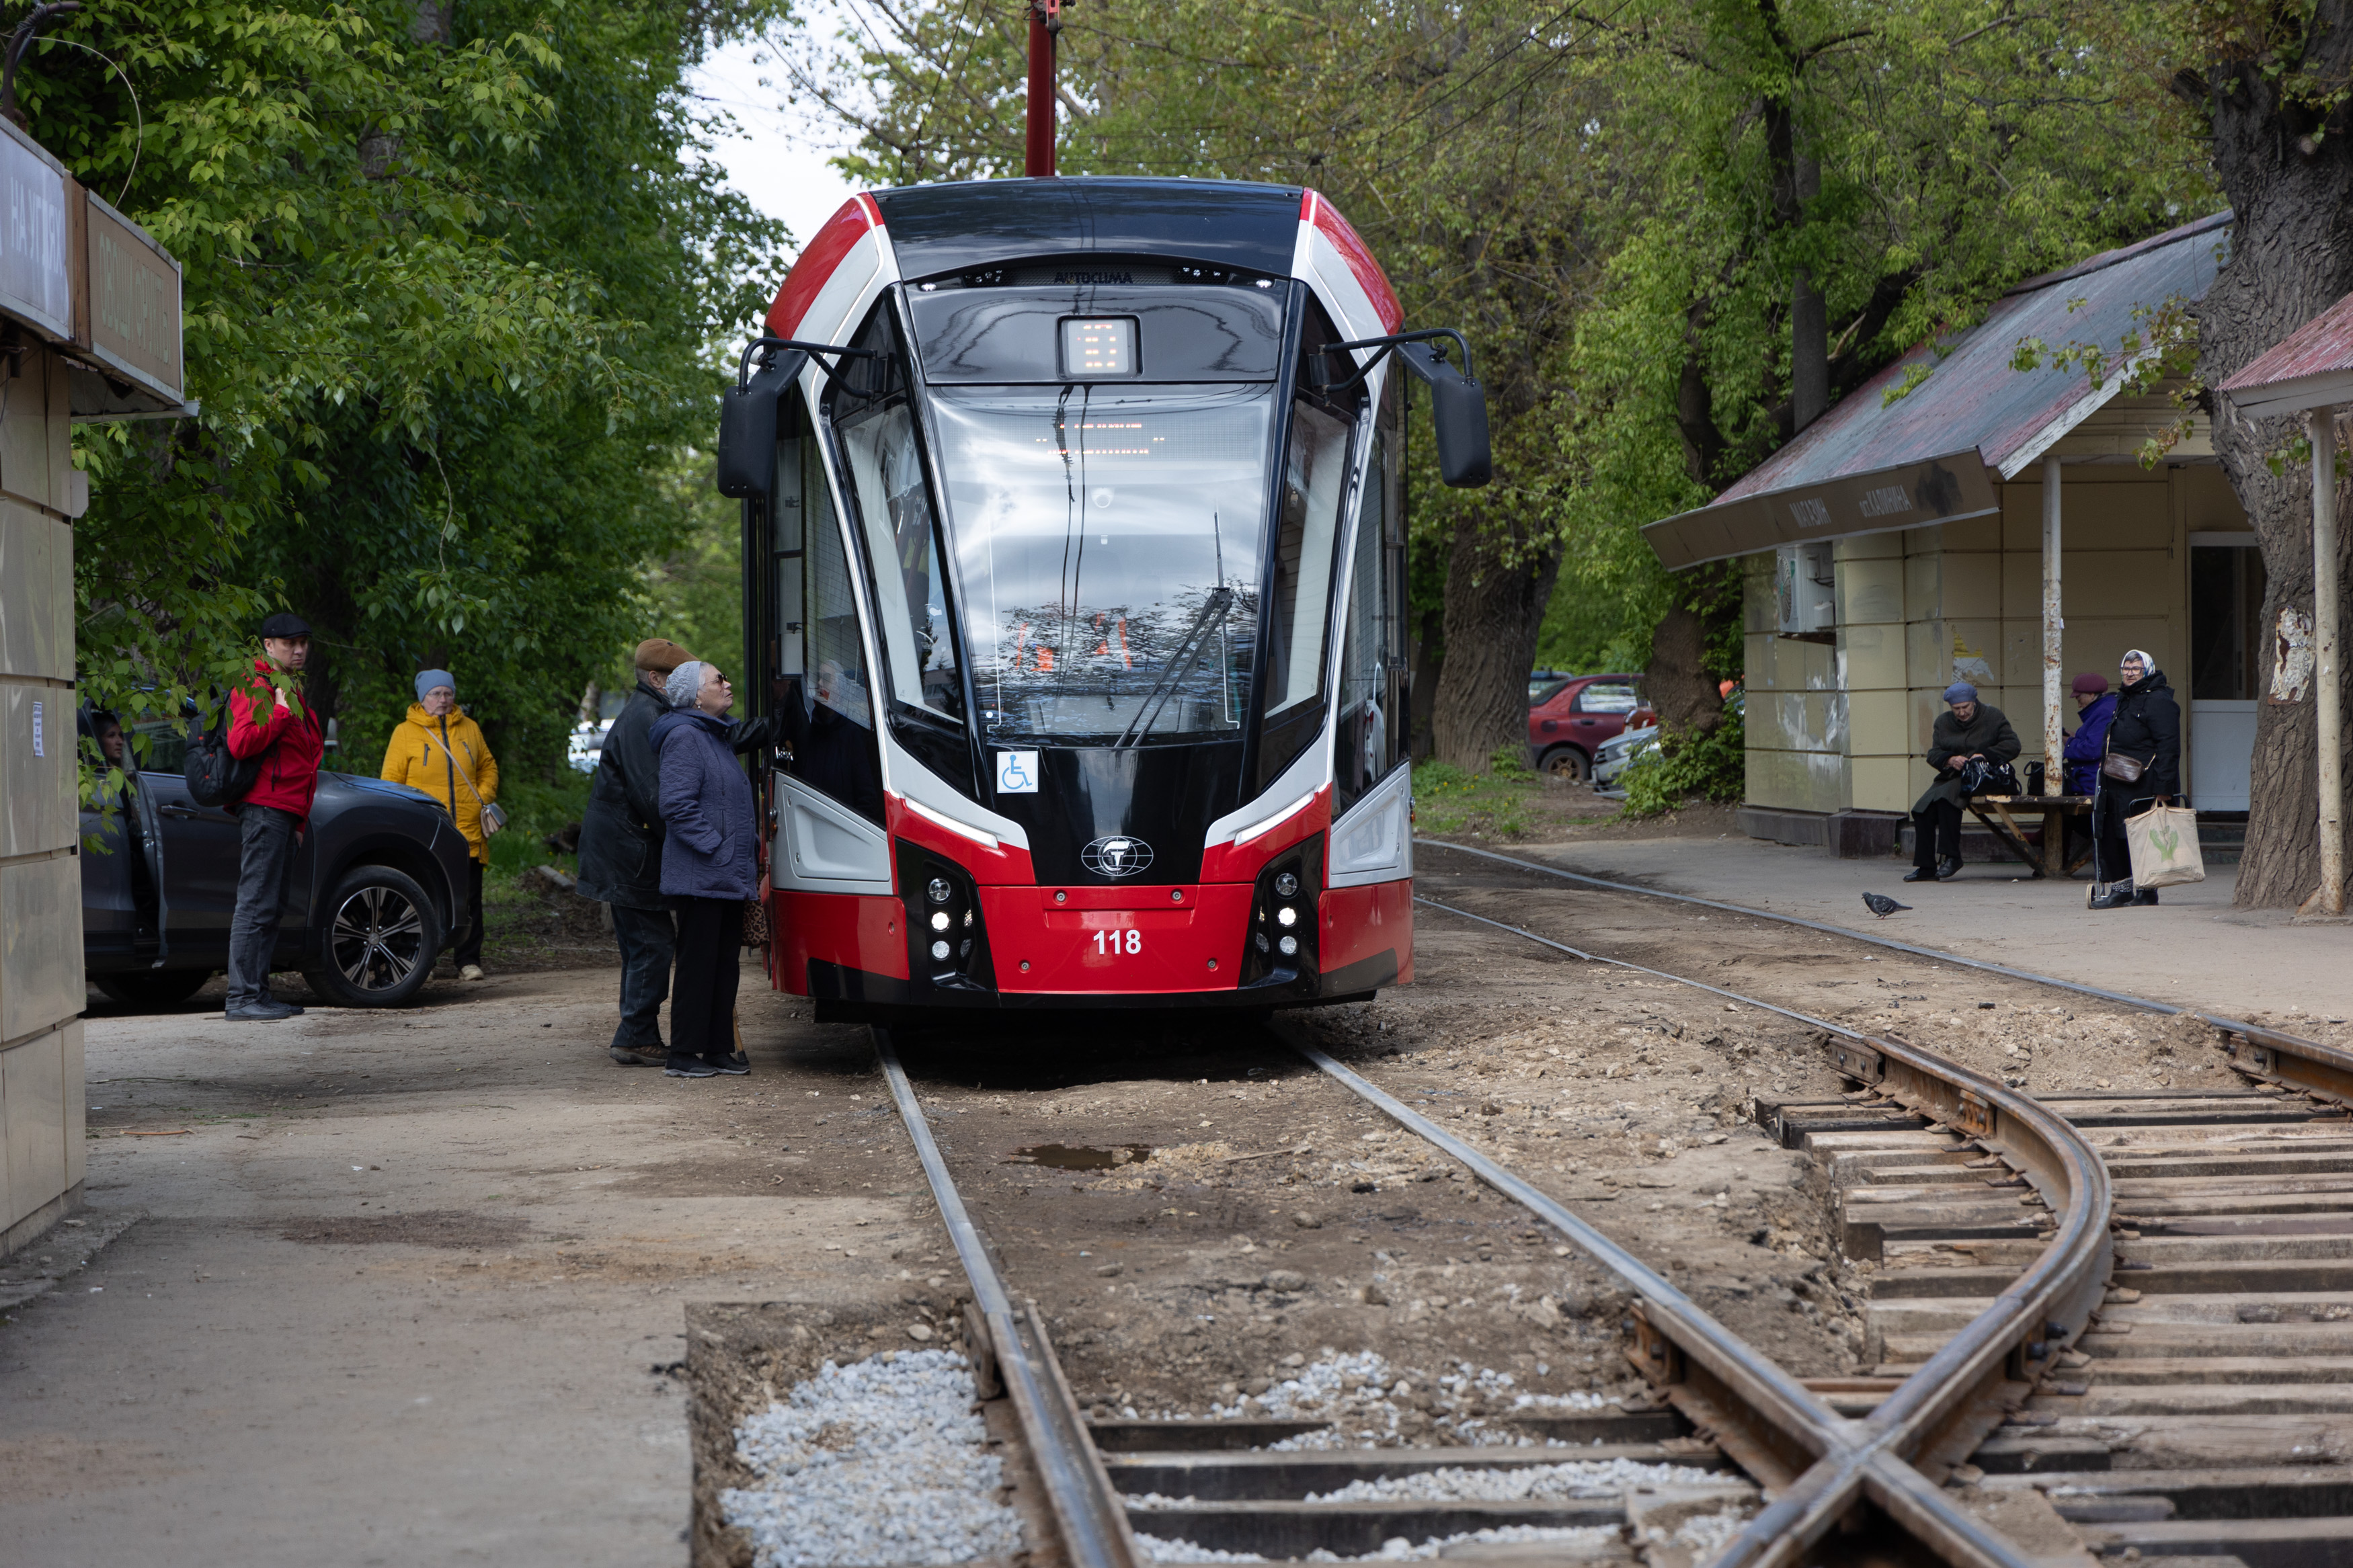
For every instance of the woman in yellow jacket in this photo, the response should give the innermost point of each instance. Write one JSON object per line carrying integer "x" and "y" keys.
{"x": 442, "y": 752}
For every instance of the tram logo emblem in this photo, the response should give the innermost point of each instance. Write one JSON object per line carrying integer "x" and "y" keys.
{"x": 1117, "y": 856}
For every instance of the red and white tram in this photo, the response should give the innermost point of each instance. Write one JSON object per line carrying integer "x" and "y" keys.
{"x": 1074, "y": 554}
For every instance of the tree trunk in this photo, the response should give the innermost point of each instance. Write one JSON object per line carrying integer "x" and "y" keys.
{"x": 1495, "y": 597}
{"x": 2291, "y": 190}
{"x": 1678, "y": 685}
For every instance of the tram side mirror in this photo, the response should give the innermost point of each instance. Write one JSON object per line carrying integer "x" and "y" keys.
{"x": 747, "y": 427}
{"x": 747, "y": 438}
{"x": 1458, "y": 413}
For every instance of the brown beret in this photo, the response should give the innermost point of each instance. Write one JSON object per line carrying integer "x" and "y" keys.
{"x": 659, "y": 656}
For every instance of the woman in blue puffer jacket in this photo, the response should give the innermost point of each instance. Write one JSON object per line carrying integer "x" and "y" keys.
{"x": 708, "y": 868}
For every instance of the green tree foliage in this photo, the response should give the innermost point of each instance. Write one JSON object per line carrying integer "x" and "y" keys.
{"x": 1621, "y": 204}
{"x": 694, "y": 588}
{"x": 450, "y": 296}
{"x": 1909, "y": 162}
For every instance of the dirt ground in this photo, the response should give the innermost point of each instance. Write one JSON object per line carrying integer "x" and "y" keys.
{"x": 410, "y": 1287}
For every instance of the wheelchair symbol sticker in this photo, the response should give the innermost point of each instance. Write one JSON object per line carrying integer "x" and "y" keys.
{"x": 1017, "y": 772}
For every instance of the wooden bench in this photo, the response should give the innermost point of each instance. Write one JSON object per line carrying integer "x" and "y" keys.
{"x": 1994, "y": 811}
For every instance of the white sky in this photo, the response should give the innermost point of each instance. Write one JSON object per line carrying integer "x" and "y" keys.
{"x": 777, "y": 161}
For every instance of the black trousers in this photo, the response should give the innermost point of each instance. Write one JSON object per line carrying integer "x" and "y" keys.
{"x": 702, "y": 990}
{"x": 2111, "y": 850}
{"x": 266, "y": 840}
{"x": 647, "y": 938}
{"x": 469, "y": 945}
{"x": 1935, "y": 834}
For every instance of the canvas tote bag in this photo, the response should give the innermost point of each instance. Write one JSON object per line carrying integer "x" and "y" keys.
{"x": 2164, "y": 841}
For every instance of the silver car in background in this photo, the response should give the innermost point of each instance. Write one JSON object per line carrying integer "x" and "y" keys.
{"x": 1614, "y": 755}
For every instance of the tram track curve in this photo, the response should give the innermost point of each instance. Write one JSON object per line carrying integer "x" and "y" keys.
{"x": 1828, "y": 1458}
{"x": 1817, "y": 1464}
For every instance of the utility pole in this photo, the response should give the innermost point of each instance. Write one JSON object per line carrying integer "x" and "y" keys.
{"x": 1045, "y": 28}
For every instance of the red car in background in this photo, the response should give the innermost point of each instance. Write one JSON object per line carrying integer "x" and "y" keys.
{"x": 1570, "y": 717}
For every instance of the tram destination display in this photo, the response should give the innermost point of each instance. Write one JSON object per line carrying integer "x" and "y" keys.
{"x": 1096, "y": 348}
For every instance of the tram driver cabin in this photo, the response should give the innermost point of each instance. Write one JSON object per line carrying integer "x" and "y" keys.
{"x": 1074, "y": 570}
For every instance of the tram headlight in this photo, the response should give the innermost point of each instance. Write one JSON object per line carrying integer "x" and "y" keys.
{"x": 940, "y": 950}
{"x": 939, "y": 889}
{"x": 1286, "y": 915}
{"x": 939, "y": 920}
{"x": 1287, "y": 885}
{"x": 1289, "y": 944}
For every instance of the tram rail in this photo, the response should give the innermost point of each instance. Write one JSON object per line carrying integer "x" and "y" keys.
{"x": 1849, "y": 1469}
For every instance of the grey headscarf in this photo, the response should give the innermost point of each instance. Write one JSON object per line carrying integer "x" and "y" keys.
{"x": 2147, "y": 665}
{"x": 684, "y": 683}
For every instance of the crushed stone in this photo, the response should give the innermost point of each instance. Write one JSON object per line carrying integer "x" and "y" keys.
{"x": 1367, "y": 1399}
{"x": 884, "y": 1461}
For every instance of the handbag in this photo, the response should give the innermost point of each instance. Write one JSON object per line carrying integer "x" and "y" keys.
{"x": 2164, "y": 843}
{"x": 756, "y": 922}
{"x": 2123, "y": 769}
{"x": 493, "y": 815}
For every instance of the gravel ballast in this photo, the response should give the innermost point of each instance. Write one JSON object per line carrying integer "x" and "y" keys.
{"x": 884, "y": 1461}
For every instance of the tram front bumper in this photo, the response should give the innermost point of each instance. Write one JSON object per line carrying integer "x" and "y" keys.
{"x": 1114, "y": 942}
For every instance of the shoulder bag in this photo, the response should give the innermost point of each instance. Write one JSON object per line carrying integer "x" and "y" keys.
{"x": 493, "y": 817}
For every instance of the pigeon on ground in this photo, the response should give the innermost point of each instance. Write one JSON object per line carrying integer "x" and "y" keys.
{"x": 1882, "y": 905}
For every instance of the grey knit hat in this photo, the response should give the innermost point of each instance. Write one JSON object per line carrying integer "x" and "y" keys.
{"x": 427, "y": 680}
{"x": 684, "y": 683}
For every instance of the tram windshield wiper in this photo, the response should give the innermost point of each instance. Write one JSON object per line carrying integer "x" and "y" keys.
{"x": 1182, "y": 658}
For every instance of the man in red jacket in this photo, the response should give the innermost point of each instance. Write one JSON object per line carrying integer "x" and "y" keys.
{"x": 269, "y": 720}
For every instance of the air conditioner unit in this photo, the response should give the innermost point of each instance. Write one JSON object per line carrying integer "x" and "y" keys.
{"x": 1807, "y": 589}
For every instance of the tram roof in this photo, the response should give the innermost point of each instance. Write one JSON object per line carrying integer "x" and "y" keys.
{"x": 944, "y": 228}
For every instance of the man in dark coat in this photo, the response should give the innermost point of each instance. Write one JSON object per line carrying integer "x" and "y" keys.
{"x": 621, "y": 851}
{"x": 2146, "y": 729}
{"x": 1968, "y": 730}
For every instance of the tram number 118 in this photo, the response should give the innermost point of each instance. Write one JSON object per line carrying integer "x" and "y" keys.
{"x": 1118, "y": 941}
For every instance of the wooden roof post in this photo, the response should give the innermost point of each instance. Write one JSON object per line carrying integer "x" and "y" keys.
{"x": 2054, "y": 774}
{"x": 2320, "y": 424}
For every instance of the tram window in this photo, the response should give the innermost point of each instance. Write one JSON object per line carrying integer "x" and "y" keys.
{"x": 821, "y": 682}
{"x": 1316, "y": 483}
{"x": 886, "y": 469}
{"x": 1369, "y": 735}
{"x": 1109, "y": 541}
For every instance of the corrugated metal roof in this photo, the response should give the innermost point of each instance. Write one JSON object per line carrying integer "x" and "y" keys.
{"x": 1972, "y": 399}
{"x": 2313, "y": 360}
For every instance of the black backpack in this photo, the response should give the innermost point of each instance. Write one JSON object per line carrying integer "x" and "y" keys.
{"x": 215, "y": 775}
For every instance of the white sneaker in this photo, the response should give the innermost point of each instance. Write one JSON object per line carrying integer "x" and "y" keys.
{"x": 471, "y": 972}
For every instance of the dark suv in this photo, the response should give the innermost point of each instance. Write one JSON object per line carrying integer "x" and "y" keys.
{"x": 376, "y": 884}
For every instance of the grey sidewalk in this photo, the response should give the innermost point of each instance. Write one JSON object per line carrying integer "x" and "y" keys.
{"x": 2192, "y": 950}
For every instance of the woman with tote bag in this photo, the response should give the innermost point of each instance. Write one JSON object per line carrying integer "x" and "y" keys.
{"x": 2139, "y": 770}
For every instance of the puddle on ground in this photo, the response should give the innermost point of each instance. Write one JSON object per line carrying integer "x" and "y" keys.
{"x": 1063, "y": 1157}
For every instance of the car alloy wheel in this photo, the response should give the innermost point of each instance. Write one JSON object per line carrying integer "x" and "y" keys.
{"x": 376, "y": 946}
{"x": 378, "y": 938}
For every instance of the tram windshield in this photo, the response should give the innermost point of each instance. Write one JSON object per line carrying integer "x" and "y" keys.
{"x": 1109, "y": 540}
